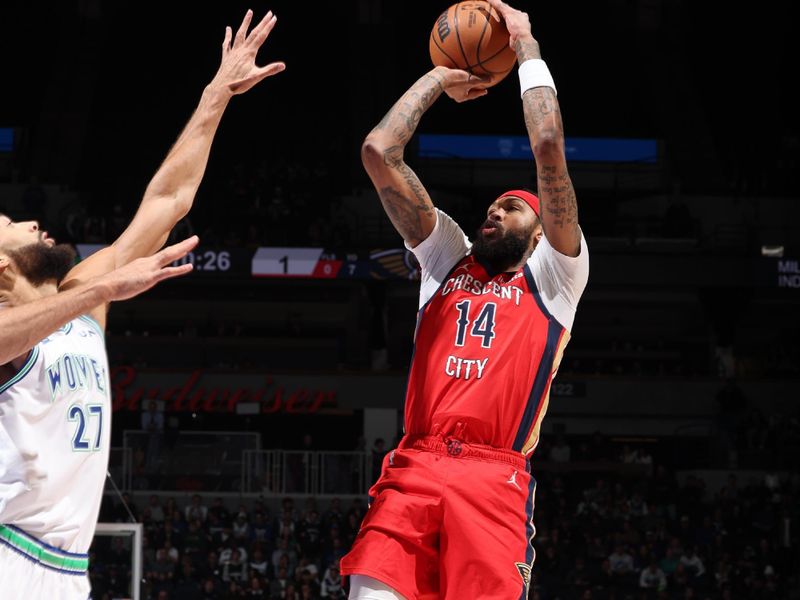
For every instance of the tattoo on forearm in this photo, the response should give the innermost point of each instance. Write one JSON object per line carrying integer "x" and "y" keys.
{"x": 403, "y": 118}
{"x": 526, "y": 49}
{"x": 539, "y": 105}
{"x": 559, "y": 205}
{"x": 408, "y": 205}
{"x": 558, "y": 197}
{"x": 405, "y": 214}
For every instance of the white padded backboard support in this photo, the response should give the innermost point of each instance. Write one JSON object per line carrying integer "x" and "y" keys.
{"x": 133, "y": 530}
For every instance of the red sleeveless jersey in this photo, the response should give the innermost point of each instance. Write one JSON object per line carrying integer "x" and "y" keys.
{"x": 486, "y": 350}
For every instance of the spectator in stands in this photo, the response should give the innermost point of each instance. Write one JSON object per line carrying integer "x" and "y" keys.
{"x": 258, "y": 563}
{"x": 211, "y": 570}
{"x": 196, "y": 511}
{"x": 218, "y": 509}
{"x": 233, "y": 561}
{"x": 310, "y": 535}
{"x": 333, "y": 514}
{"x": 257, "y": 589}
{"x": 170, "y": 507}
{"x": 196, "y": 541}
{"x": 669, "y": 563}
{"x": 262, "y": 531}
{"x": 652, "y": 578}
{"x": 209, "y": 591}
{"x": 186, "y": 584}
{"x": 332, "y": 585}
{"x": 279, "y": 585}
{"x": 286, "y": 525}
{"x": 171, "y": 552}
{"x": 693, "y": 563}
{"x": 156, "y": 512}
{"x": 241, "y": 527}
{"x": 560, "y": 452}
{"x": 621, "y": 561}
{"x": 160, "y": 572}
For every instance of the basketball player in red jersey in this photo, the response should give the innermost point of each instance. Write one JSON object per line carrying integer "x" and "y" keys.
{"x": 452, "y": 513}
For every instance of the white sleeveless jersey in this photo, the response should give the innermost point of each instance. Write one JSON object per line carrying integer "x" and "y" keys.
{"x": 55, "y": 433}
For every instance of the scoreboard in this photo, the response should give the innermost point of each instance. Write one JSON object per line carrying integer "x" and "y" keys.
{"x": 287, "y": 263}
{"x": 316, "y": 263}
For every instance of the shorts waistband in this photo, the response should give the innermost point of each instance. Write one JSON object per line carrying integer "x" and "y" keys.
{"x": 457, "y": 449}
{"x": 43, "y": 554}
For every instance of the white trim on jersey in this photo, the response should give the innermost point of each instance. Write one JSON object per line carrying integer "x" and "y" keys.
{"x": 26, "y": 368}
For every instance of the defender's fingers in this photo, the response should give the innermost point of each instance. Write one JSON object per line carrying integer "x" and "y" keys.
{"x": 261, "y": 31}
{"x": 176, "y": 251}
{"x": 242, "y": 32}
{"x": 171, "y": 272}
{"x": 226, "y": 43}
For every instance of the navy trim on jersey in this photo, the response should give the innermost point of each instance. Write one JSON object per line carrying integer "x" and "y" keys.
{"x": 530, "y": 531}
{"x": 26, "y": 368}
{"x": 50, "y": 548}
{"x": 39, "y": 563}
{"x": 535, "y": 291}
{"x": 554, "y": 331}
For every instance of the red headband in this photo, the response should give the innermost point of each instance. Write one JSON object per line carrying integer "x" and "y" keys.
{"x": 529, "y": 198}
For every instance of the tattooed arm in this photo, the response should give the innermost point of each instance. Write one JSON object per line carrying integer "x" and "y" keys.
{"x": 403, "y": 196}
{"x": 546, "y": 133}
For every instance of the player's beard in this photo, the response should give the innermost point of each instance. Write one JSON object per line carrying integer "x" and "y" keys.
{"x": 503, "y": 251}
{"x": 40, "y": 263}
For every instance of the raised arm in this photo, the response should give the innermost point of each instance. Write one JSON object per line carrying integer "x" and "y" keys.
{"x": 546, "y": 133}
{"x": 170, "y": 194}
{"x": 403, "y": 196}
{"x": 24, "y": 326}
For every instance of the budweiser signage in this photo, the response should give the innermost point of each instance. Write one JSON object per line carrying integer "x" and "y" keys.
{"x": 198, "y": 391}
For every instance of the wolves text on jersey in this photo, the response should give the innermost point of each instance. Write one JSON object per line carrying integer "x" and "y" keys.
{"x": 73, "y": 371}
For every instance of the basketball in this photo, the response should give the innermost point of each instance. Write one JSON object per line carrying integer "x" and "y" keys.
{"x": 471, "y": 36}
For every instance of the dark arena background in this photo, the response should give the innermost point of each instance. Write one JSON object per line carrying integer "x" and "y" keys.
{"x": 255, "y": 399}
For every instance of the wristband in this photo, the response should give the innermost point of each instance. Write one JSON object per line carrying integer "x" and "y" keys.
{"x": 534, "y": 73}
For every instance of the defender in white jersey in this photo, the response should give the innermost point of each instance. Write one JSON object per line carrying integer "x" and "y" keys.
{"x": 55, "y": 403}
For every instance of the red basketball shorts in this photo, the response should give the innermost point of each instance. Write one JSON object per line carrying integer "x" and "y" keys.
{"x": 449, "y": 520}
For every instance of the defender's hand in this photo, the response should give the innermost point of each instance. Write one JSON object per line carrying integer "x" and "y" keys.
{"x": 238, "y": 71}
{"x": 142, "y": 274}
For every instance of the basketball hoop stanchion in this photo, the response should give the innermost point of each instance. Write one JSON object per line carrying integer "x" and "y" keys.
{"x": 133, "y": 530}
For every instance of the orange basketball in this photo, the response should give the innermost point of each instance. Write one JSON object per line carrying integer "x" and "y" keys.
{"x": 471, "y": 36}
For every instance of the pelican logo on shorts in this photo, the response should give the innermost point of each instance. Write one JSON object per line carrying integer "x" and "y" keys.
{"x": 453, "y": 447}
{"x": 443, "y": 27}
{"x": 524, "y": 572}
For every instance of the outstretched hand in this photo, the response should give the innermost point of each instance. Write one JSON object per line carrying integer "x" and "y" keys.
{"x": 238, "y": 71}
{"x": 142, "y": 274}
{"x": 460, "y": 85}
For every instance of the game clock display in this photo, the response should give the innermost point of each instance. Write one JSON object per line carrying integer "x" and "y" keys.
{"x": 218, "y": 261}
